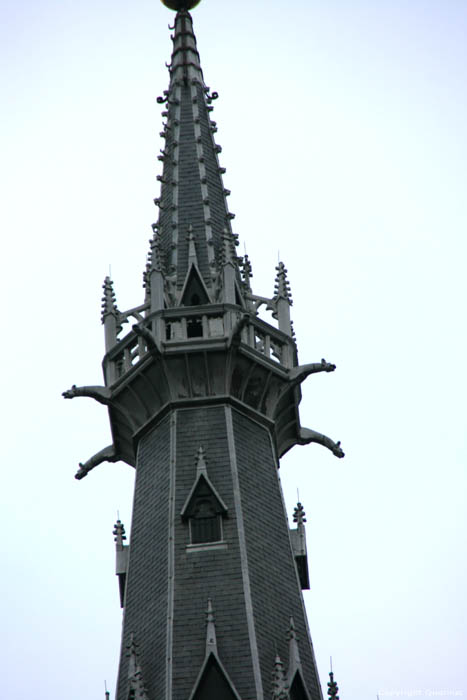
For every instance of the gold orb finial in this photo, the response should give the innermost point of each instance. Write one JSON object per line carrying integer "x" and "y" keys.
{"x": 180, "y": 4}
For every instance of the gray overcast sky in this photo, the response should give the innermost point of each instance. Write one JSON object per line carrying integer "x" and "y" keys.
{"x": 343, "y": 132}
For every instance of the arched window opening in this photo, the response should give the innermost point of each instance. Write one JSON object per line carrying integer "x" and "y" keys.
{"x": 194, "y": 327}
{"x": 205, "y": 523}
{"x": 204, "y": 510}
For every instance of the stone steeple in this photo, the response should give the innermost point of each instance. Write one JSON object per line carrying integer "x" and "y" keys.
{"x": 193, "y": 211}
{"x": 203, "y": 399}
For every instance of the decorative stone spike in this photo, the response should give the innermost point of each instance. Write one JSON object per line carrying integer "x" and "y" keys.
{"x": 154, "y": 256}
{"x": 110, "y": 315}
{"x": 294, "y": 653}
{"x": 136, "y": 687}
{"x": 280, "y": 688}
{"x": 299, "y": 514}
{"x": 299, "y": 545}
{"x": 119, "y": 532}
{"x": 228, "y": 247}
{"x": 211, "y": 642}
{"x": 109, "y": 304}
{"x": 293, "y": 334}
{"x": 229, "y": 264}
{"x": 192, "y": 257}
{"x": 333, "y": 688}
{"x": 282, "y": 299}
{"x": 154, "y": 279}
{"x": 282, "y": 286}
{"x": 121, "y": 559}
{"x": 247, "y": 272}
{"x": 201, "y": 467}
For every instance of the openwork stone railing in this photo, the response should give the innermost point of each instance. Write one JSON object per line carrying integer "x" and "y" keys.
{"x": 173, "y": 329}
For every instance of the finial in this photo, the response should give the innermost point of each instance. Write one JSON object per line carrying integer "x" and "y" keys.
{"x": 179, "y": 5}
{"x": 154, "y": 259}
{"x": 282, "y": 286}
{"x": 136, "y": 687}
{"x": 132, "y": 652}
{"x": 119, "y": 532}
{"x": 107, "y": 694}
{"x": 299, "y": 514}
{"x": 333, "y": 688}
{"x": 201, "y": 467}
{"x": 109, "y": 303}
{"x": 211, "y": 642}
{"x": 292, "y": 330}
{"x": 229, "y": 241}
{"x": 294, "y": 653}
{"x": 192, "y": 257}
{"x": 291, "y": 633}
{"x": 279, "y": 683}
{"x": 247, "y": 272}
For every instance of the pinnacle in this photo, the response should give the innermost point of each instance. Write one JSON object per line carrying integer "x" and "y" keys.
{"x": 201, "y": 467}
{"x": 292, "y": 633}
{"x": 154, "y": 260}
{"x": 136, "y": 687}
{"x": 211, "y": 642}
{"x": 279, "y": 682}
{"x": 294, "y": 653}
{"x": 247, "y": 272}
{"x": 109, "y": 304}
{"x": 229, "y": 241}
{"x": 299, "y": 514}
{"x": 119, "y": 532}
{"x": 282, "y": 286}
{"x": 192, "y": 257}
{"x": 333, "y": 688}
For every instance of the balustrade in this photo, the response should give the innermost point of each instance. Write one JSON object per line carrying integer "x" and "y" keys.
{"x": 174, "y": 327}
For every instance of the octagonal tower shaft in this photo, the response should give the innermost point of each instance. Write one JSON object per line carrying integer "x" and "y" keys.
{"x": 248, "y": 574}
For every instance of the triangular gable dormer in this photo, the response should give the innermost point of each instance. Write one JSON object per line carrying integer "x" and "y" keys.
{"x": 194, "y": 291}
{"x": 213, "y": 682}
{"x": 297, "y": 690}
{"x": 204, "y": 508}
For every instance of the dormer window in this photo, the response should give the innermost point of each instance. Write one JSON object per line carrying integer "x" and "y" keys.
{"x": 204, "y": 509}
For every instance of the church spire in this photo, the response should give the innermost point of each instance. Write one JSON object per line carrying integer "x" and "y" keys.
{"x": 201, "y": 367}
{"x": 193, "y": 197}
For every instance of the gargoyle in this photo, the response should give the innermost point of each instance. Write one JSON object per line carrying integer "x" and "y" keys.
{"x": 99, "y": 393}
{"x": 298, "y": 374}
{"x": 108, "y": 454}
{"x": 307, "y": 435}
{"x": 148, "y": 337}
